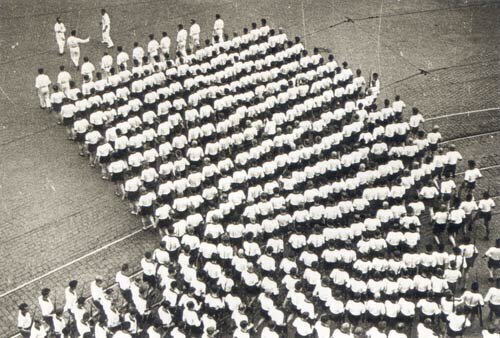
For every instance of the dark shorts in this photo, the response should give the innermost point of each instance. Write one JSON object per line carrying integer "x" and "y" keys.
{"x": 92, "y": 147}
{"x": 117, "y": 177}
{"x": 68, "y": 121}
{"x": 133, "y": 195}
{"x": 470, "y": 185}
{"x": 493, "y": 264}
{"x": 104, "y": 159}
{"x": 146, "y": 211}
{"x": 80, "y": 137}
{"x": 495, "y": 309}
{"x": 438, "y": 228}
{"x": 454, "y": 228}
{"x": 485, "y": 215}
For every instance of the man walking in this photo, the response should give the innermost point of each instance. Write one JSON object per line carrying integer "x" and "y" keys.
{"x": 194, "y": 35}
{"x": 60, "y": 31}
{"x": 106, "y": 27}
{"x": 42, "y": 83}
{"x": 74, "y": 48}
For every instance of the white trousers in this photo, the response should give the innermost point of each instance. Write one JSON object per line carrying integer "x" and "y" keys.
{"x": 61, "y": 42}
{"x": 106, "y": 38}
{"x": 194, "y": 42}
{"x": 220, "y": 34}
{"x": 44, "y": 96}
{"x": 181, "y": 47}
{"x": 75, "y": 55}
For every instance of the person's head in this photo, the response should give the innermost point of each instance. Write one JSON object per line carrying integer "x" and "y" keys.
{"x": 40, "y": 70}
{"x": 45, "y": 292}
{"x": 73, "y": 284}
{"x": 474, "y": 287}
{"x": 217, "y": 16}
{"x": 180, "y": 27}
{"x": 193, "y": 21}
{"x": 103, "y": 11}
{"x": 99, "y": 280}
{"x": 73, "y": 32}
{"x": 58, "y": 20}
{"x": 23, "y": 307}
{"x": 151, "y": 36}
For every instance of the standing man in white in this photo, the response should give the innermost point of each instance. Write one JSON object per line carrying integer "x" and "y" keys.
{"x": 74, "y": 48}
{"x": 218, "y": 28}
{"x": 181, "y": 40}
{"x": 165, "y": 44}
{"x": 194, "y": 35}
{"x": 60, "y": 31}
{"x": 42, "y": 83}
{"x": 106, "y": 27}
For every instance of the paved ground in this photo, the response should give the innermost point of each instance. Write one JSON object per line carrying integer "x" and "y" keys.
{"x": 56, "y": 209}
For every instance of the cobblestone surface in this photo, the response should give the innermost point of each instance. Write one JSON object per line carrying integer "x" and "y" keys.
{"x": 56, "y": 209}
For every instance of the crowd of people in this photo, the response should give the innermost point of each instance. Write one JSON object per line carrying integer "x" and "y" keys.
{"x": 289, "y": 201}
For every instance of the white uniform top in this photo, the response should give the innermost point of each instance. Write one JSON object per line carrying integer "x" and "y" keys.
{"x": 106, "y": 22}
{"x": 182, "y": 36}
{"x": 74, "y": 43}
{"x": 218, "y": 25}
{"x": 194, "y": 31}
{"x": 60, "y": 29}
{"x": 42, "y": 81}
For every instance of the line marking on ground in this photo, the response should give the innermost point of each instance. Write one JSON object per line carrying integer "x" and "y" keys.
{"x": 70, "y": 263}
{"x": 461, "y": 113}
{"x": 483, "y": 169}
{"x": 469, "y": 137}
{"x": 6, "y": 96}
{"x": 303, "y": 22}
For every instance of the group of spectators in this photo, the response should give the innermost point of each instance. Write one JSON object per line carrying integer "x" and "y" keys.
{"x": 288, "y": 201}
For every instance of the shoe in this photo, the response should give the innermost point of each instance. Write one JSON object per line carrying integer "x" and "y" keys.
{"x": 104, "y": 178}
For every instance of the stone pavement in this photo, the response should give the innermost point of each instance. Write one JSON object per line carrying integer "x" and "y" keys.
{"x": 56, "y": 209}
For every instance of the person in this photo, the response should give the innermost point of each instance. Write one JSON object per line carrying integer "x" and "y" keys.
{"x": 181, "y": 39}
{"x": 60, "y": 31}
{"x": 375, "y": 84}
{"x": 194, "y": 35}
{"x": 485, "y": 205}
{"x": 153, "y": 47}
{"x": 474, "y": 302}
{"x": 24, "y": 320}
{"x": 493, "y": 255}
{"x": 106, "y": 27}
{"x": 492, "y": 298}
{"x": 63, "y": 80}
{"x": 46, "y": 307}
{"x": 490, "y": 332}
{"x": 425, "y": 329}
{"x": 165, "y": 44}
{"x": 457, "y": 322}
{"x": 73, "y": 43}
{"x": 218, "y": 29}
{"x": 42, "y": 83}
{"x": 70, "y": 297}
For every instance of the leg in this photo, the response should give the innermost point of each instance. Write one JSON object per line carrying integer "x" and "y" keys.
{"x": 75, "y": 57}
{"x": 61, "y": 43}
{"x": 42, "y": 99}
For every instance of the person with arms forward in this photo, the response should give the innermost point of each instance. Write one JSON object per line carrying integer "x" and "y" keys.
{"x": 74, "y": 47}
